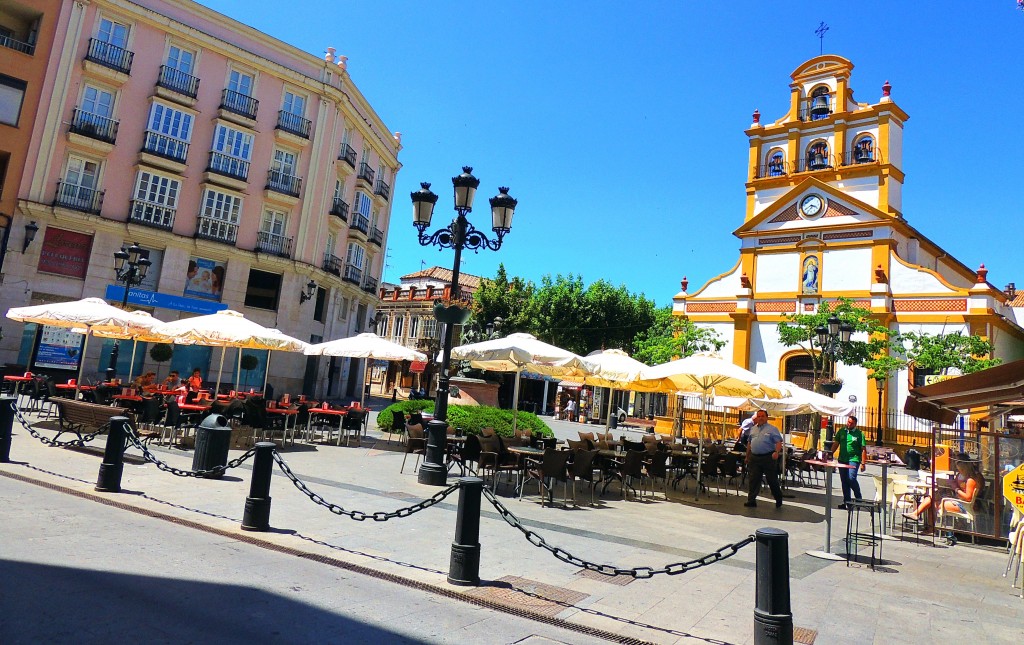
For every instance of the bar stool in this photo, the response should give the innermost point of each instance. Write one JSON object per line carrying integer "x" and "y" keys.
{"x": 855, "y": 535}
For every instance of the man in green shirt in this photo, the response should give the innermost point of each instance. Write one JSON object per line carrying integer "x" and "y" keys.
{"x": 849, "y": 441}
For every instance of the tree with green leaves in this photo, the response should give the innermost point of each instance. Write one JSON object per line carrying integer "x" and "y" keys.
{"x": 941, "y": 352}
{"x": 672, "y": 337}
{"x": 801, "y": 330}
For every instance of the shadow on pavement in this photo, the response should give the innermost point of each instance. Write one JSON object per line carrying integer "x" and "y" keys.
{"x": 67, "y": 604}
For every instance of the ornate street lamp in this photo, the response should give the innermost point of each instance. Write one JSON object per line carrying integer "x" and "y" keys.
{"x": 458, "y": 235}
{"x": 831, "y": 340}
{"x": 880, "y": 386}
{"x": 130, "y": 269}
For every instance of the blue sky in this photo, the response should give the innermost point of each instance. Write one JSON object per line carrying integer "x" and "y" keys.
{"x": 619, "y": 126}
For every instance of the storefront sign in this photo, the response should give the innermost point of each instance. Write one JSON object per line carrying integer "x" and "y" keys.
{"x": 205, "y": 278}
{"x": 1013, "y": 488}
{"x": 146, "y": 298}
{"x": 65, "y": 253}
{"x": 59, "y": 348}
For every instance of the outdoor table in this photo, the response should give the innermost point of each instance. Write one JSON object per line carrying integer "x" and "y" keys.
{"x": 293, "y": 415}
{"x": 523, "y": 453}
{"x": 18, "y": 382}
{"x": 829, "y": 466}
{"x": 325, "y": 412}
{"x": 66, "y": 390}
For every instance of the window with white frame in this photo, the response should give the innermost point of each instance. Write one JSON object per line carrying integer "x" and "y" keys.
{"x": 112, "y": 33}
{"x": 12, "y": 95}
{"x": 399, "y": 327}
{"x": 219, "y": 215}
{"x": 271, "y": 235}
{"x": 284, "y": 162}
{"x": 78, "y": 188}
{"x": 332, "y": 244}
{"x": 232, "y": 151}
{"x": 240, "y": 82}
{"x": 355, "y": 255}
{"x": 98, "y": 101}
{"x": 364, "y": 204}
{"x": 182, "y": 60}
{"x": 429, "y": 327}
{"x": 155, "y": 199}
{"x": 294, "y": 104}
{"x": 169, "y": 133}
{"x": 414, "y": 327}
{"x": 339, "y": 189}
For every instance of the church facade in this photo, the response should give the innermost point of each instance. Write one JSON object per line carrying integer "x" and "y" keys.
{"x": 824, "y": 219}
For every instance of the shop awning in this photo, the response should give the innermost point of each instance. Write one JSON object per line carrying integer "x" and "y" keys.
{"x": 417, "y": 366}
{"x": 943, "y": 401}
{"x": 572, "y": 385}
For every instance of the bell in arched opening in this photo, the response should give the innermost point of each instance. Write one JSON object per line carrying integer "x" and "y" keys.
{"x": 816, "y": 159}
{"x": 819, "y": 107}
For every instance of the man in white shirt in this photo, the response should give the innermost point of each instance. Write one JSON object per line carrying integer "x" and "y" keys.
{"x": 763, "y": 452}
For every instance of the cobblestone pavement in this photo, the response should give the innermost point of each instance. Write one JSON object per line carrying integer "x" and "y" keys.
{"x": 922, "y": 593}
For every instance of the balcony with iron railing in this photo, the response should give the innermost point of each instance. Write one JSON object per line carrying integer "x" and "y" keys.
{"x": 332, "y": 264}
{"x": 150, "y": 214}
{"x": 383, "y": 189}
{"x": 352, "y": 274}
{"x": 18, "y": 46}
{"x": 164, "y": 146}
{"x": 360, "y": 223}
{"x": 370, "y": 285}
{"x": 228, "y": 166}
{"x": 111, "y": 56}
{"x": 94, "y": 126}
{"x": 377, "y": 236}
{"x": 178, "y": 81}
{"x": 774, "y": 169}
{"x": 365, "y": 173}
{"x": 814, "y": 162}
{"x": 340, "y": 209}
{"x": 216, "y": 230}
{"x": 347, "y": 154}
{"x": 283, "y": 183}
{"x": 859, "y": 156}
{"x": 273, "y": 243}
{"x": 293, "y": 124}
{"x": 239, "y": 103}
{"x": 79, "y": 198}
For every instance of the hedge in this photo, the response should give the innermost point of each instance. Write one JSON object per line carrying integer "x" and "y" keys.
{"x": 471, "y": 418}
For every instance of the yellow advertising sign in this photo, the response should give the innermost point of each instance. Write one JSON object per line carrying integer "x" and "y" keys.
{"x": 1013, "y": 488}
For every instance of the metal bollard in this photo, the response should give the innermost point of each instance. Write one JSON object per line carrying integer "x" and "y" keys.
{"x": 773, "y": 617}
{"x": 464, "y": 566}
{"x": 109, "y": 480}
{"x": 7, "y": 404}
{"x": 256, "y": 516}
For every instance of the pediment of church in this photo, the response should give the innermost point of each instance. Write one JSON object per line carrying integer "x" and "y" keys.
{"x": 835, "y": 209}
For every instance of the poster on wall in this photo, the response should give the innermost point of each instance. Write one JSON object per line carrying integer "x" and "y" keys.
{"x": 59, "y": 348}
{"x": 65, "y": 253}
{"x": 152, "y": 279}
{"x": 205, "y": 278}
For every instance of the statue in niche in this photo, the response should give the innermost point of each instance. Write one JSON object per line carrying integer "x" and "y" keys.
{"x": 809, "y": 280}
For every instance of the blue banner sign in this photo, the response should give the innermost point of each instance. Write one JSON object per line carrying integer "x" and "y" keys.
{"x": 146, "y": 298}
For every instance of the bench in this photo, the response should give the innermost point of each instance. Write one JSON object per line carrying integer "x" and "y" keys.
{"x": 77, "y": 416}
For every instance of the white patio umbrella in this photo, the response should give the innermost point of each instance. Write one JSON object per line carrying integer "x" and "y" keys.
{"x": 227, "y": 328}
{"x": 518, "y": 353}
{"x": 90, "y": 315}
{"x": 135, "y": 334}
{"x": 367, "y": 345}
{"x": 616, "y": 370}
{"x": 707, "y": 374}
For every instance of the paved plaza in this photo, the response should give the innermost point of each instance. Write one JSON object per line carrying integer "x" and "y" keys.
{"x": 166, "y": 561}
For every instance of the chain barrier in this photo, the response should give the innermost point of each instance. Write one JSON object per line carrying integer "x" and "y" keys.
{"x": 535, "y": 539}
{"x": 167, "y": 468}
{"x": 53, "y": 442}
{"x": 359, "y": 516}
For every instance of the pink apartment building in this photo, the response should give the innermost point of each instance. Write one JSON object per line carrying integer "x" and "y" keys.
{"x": 243, "y": 167}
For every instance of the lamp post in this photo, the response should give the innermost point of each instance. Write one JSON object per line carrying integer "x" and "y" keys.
{"x": 880, "y": 387}
{"x": 130, "y": 269}
{"x": 493, "y": 328}
{"x": 458, "y": 235}
{"x": 831, "y": 340}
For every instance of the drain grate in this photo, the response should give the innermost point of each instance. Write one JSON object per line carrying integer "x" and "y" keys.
{"x": 622, "y": 581}
{"x": 530, "y": 595}
{"x": 804, "y": 635}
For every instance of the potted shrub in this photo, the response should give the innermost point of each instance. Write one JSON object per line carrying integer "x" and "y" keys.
{"x": 248, "y": 363}
{"x": 830, "y": 385}
{"x": 161, "y": 353}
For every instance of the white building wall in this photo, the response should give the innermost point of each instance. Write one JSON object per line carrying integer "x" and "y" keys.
{"x": 725, "y": 287}
{"x": 895, "y": 145}
{"x": 846, "y": 270}
{"x": 766, "y": 350}
{"x": 809, "y": 137}
{"x": 766, "y": 197}
{"x": 777, "y": 272}
{"x": 725, "y": 332}
{"x": 864, "y": 189}
{"x": 906, "y": 280}
{"x": 932, "y": 329}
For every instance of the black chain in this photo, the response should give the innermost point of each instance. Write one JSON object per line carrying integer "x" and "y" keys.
{"x": 167, "y": 468}
{"x": 359, "y": 516}
{"x": 535, "y": 539}
{"x": 53, "y": 442}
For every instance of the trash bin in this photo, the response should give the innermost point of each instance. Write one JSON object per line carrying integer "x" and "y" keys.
{"x": 913, "y": 459}
{"x": 213, "y": 440}
{"x": 614, "y": 421}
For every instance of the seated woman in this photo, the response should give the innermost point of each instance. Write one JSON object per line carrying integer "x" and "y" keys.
{"x": 969, "y": 485}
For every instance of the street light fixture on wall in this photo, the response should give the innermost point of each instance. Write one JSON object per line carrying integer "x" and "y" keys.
{"x": 130, "y": 269}
{"x": 458, "y": 235}
{"x": 30, "y": 234}
{"x": 308, "y": 293}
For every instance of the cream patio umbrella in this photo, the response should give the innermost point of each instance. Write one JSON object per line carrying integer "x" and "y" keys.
{"x": 707, "y": 374}
{"x": 518, "y": 353}
{"x": 135, "y": 334}
{"x": 616, "y": 370}
{"x": 367, "y": 345}
{"x": 227, "y": 328}
{"x": 90, "y": 315}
